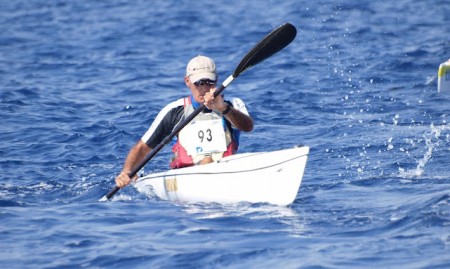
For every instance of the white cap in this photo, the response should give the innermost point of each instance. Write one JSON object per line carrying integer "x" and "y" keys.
{"x": 201, "y": 67}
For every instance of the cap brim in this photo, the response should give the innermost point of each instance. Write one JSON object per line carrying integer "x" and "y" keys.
{"x": 206, "y": 75}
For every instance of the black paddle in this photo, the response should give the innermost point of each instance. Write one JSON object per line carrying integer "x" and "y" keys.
{"x": 268, "y": 46}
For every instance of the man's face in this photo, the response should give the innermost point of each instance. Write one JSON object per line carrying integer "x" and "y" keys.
{"x": 199, "y": 88}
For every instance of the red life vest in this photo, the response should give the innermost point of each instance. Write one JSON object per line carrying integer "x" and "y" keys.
{"x": 181, "y": 157}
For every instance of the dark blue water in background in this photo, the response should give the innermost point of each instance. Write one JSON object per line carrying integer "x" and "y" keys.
{"x": 80, "y": 82}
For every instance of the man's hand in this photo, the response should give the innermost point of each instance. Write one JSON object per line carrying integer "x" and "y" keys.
{"x": 214, "y": 103}
{"x": 123, "y": 179}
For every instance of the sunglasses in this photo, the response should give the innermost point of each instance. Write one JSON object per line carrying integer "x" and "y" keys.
{"x": 202, "y": 82}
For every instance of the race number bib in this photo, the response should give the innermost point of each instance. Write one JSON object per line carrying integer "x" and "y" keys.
{"x": 203, "y": 137}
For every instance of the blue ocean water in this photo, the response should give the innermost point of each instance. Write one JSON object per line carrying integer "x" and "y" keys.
{"x": 80, "y": 82}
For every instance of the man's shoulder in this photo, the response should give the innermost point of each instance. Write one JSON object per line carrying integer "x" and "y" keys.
{"x": 238, "y": 104}
{"x": 172, "y": 112}
{"x": 169, "y": 110}
{"x": 171, "y": 107}
{"x": 174, "y": 104}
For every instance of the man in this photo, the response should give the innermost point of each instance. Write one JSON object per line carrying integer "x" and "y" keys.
{"x": 211, "y": 135}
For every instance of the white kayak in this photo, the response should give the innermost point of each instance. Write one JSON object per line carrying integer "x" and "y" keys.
{"x": 263, "y": 177}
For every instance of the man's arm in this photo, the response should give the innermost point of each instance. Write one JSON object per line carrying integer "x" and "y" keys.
{"x": 135, "y": 156}
{"x": 239, "y": 120}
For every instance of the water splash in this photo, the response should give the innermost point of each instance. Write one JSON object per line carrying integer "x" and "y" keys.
{"x": 433, "y": 139}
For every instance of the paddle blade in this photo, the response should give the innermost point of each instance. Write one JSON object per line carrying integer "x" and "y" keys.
{"x": 268, "y": 46}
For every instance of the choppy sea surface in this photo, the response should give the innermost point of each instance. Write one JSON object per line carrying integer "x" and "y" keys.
{"x": 80, "y": 82}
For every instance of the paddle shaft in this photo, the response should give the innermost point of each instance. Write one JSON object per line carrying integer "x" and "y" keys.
{"x": 268, "y": 46}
